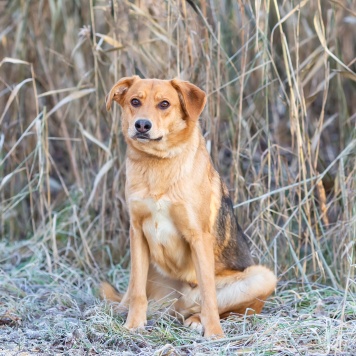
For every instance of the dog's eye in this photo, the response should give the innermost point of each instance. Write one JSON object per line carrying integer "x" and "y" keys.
{"x": 135, "y": 102}
{"x": 163, "y": 104}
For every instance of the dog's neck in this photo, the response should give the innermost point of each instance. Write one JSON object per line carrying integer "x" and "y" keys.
{"x": 156, "y": 174}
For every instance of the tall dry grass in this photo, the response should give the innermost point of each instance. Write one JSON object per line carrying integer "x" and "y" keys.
{"x": 279, "y": 123}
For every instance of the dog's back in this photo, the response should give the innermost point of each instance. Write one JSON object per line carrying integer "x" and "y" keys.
{"x": 232, "y": 244}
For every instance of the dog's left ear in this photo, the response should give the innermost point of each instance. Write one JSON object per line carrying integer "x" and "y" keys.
{"x": 192, "y": 98}
{"x": 117, "y": 92}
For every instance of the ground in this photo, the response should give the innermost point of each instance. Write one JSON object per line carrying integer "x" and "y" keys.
{"x": 45, "y": 312}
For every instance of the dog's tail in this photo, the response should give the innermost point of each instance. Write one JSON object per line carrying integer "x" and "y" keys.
{"x": 109, "y": 292}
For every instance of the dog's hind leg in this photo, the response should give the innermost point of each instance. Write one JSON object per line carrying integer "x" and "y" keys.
{"x": 237, "y": 292}
{"x": 244, "y": 291}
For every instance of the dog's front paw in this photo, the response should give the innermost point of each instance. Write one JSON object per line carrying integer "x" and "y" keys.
{"x": 135, "y": 324}
{"x": 214, "y": 332}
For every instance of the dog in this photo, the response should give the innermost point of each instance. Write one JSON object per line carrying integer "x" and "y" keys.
{"x": 185, "y": 242}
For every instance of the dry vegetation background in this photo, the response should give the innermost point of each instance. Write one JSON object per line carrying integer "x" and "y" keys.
{"x": 280, "y": 126}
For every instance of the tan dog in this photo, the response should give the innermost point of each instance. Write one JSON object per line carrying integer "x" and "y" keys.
{"x": 185, "y": 242}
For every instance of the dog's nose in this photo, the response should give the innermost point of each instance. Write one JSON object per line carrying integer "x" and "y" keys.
{"x": 143, "y": 126}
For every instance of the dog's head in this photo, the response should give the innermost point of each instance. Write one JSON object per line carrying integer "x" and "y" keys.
{"x": 157, "y": 114}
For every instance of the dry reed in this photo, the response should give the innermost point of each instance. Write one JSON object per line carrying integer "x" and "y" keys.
{"x": 280, "y": 126}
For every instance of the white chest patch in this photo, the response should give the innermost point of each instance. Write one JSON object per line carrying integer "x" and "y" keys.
{"x": 169, "y": 251}
{"x": 159, "y": 227}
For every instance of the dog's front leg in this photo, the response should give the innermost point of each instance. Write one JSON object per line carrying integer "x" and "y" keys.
{"x": 203, "y": 258}
{"x": 138, "y": 279}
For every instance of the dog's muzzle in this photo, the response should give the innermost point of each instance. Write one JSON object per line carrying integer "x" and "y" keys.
{"x": 142, "y": 128}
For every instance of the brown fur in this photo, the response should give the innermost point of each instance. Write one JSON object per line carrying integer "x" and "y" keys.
{"x": 186, "y": 245}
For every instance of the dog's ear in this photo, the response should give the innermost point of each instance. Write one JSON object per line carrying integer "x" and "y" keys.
{"x": 118, "y": 91}
{"x": 192, "y": 98}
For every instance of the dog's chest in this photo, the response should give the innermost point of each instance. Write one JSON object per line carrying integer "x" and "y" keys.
{"x": 169, "y": 251}
{"x": 158, "y": 225}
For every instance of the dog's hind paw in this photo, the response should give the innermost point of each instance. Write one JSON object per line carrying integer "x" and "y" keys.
{"x": 194, "y": 323}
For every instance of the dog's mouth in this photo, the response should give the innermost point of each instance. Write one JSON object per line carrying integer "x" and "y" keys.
{"x": 145, "y": 138}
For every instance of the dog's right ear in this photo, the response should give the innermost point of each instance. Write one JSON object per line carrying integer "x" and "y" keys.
{"x": 118, "y": 91}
